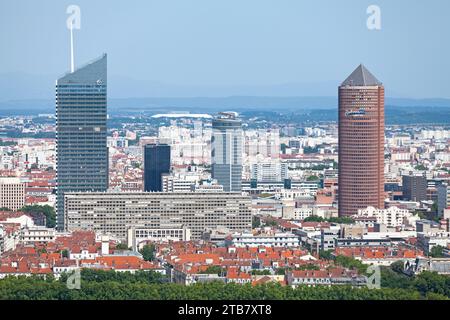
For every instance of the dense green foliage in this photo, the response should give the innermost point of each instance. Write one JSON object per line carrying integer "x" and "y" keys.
{"x": 326, "y": 254}
{"x": 90, "y": 275}
{"x": 256, "y": 222}
{"x": 344, "y": 220}
{"x": 312, "y": 178}
{"x": 148, "y": 252}
{"x": 269, "y": 222}
{"x": 421, "y": 167}
{"x": 437, "y": 252}
{"x": 308, "y": 266}
{"x": 351, "y": 263}
{"x": 110, "y": 285}
{"x": 47, "y": 210}
{"x": 264, "y": 272}
{"x": 65, "y": 253}
{"x": 214, "y": 270}
{"x": 321, "y": 167}
{"x": 121, "y": 246}
{"x": 105, "y": 287}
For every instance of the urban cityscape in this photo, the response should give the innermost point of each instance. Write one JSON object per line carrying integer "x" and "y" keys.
{"x": 223, "y": 201}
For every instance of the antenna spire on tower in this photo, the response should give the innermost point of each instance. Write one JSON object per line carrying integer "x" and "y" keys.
{"x": 73, "y": 22}
{"x": 72, "y": 60}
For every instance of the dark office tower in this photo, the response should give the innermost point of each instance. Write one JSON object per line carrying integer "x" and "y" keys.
{"x": 156, "y": 163}
{"x": 414, "y": 187}
{"x": 226, "y": 151}
{"x": 81, "y": 149}
{"x": 361, "y": 142}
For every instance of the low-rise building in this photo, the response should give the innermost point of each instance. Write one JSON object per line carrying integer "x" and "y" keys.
{"x": 12, "y": 193}
{"x": 439, "y": 265}
{"x": 37, "y": 234}
{"x": 137, "y": 236}
{"x": 328, "y": 237}
{"x": 313, "y": 278}
{"x": 426, "y": 241}
{"x": 264, "y": 239}
{"x": 391, "y": 217}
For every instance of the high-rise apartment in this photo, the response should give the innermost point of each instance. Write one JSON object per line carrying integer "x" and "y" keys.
{"x": 115, "y": 213}
{"x": 12, "y": 193}
{"x": 361, "y": 142}
{"x": 156, "y": 163}
{"x": 226, "y": 151}
{"x": 414, "y": 187}
{"x": 81, "y": 148}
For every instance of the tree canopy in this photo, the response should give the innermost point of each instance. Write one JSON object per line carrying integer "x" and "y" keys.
{"x": 148, "y": 252}
{"x": 343, "y": 220}
{"x": 48, "y": 211}
{"x": 149, "y": 285}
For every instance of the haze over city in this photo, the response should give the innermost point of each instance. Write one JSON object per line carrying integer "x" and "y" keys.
{"x": 227, "y": 48}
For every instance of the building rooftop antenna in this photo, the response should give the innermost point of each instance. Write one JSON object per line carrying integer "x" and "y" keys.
{"x": 73, "y": 22}
{"x": 72, "y": 61}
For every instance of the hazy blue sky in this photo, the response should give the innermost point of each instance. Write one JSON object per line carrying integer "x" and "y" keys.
{"x": 235, "y": 43}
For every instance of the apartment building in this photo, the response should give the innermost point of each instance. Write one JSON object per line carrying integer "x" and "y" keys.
{"x": 12, "y": 193}
{"x": 115, "y": 213}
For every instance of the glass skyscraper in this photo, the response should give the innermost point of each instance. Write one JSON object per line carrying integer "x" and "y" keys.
{"x": 81, "y": 149}
{"x": 226, "y": 151}
{"x": 156, "y": 163}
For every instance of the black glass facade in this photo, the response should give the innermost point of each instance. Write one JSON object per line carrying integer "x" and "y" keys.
{"x": 156, "y": 163}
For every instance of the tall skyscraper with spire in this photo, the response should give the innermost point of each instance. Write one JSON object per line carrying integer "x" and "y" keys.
{"x": 226, "y": 151}
{"x": 81, "y": 148}
{"x": 361, "y": 142}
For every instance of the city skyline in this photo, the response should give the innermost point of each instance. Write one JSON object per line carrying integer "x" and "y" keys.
{"x": 235, "y": 167}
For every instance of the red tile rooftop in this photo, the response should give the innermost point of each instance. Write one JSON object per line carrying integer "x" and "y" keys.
{"x": 34, "y": 199}
{"x": 288, "y": 225}
{"x": 238, "y": 275}
{"x": 10, "y": 214}
{"x": 379, "y": 252}
{"x": 311, "y": 224}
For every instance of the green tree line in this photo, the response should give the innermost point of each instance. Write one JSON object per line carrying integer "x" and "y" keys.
{"x": 110, "y": 285}
{"x": 345, "y": 220}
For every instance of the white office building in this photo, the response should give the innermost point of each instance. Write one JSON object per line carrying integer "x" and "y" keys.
{"x": 12, "y": 193}
{"x": 115, "y": 213}
{"x": 266, "y": 240}
{"x": 391, "y": 217}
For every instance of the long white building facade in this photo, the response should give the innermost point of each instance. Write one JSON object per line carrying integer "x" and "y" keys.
{"x": 115, "y": 213}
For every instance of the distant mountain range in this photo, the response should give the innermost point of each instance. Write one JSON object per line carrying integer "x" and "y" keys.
{"x": 205, "y": 104}
{"x": 21, "y": 93}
